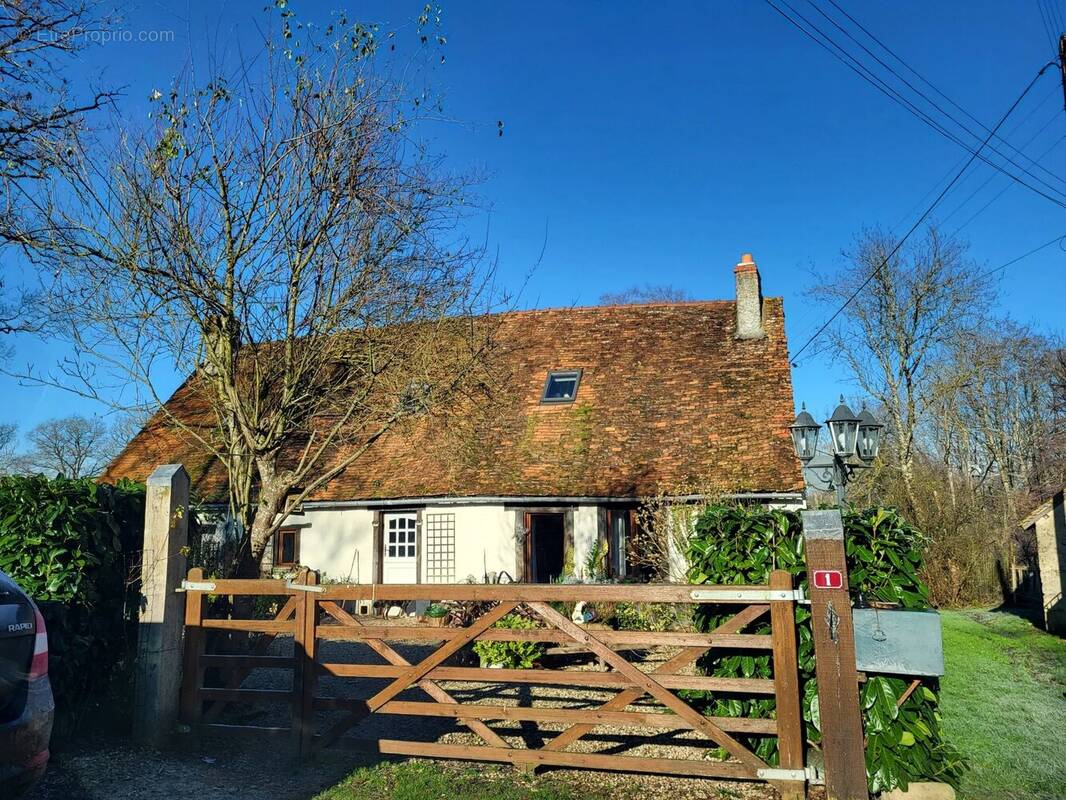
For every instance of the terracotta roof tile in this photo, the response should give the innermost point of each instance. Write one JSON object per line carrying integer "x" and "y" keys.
{"x": 667, "y": 398}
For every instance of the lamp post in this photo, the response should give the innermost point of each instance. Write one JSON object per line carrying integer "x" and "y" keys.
{"x": 853, "y": 443}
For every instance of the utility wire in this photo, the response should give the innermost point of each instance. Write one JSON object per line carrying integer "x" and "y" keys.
{"x": 1022, "y": 257}
{"x": 866, "y": 74}
{"x": 927, "y": 82}
{"x": 1054, "y": 89}
{"x": 924, "y": 215}
{"x": 994, "y": 175}
{"x": 998, "y": 194}
{"x": 1047, "y": 23}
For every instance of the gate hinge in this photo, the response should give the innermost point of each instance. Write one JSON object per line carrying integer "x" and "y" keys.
{"x": 810, "y": 774}
{"x": 754, "y": 595}
{"x": 303, "y": 587}
{"x": 197, "y": 586}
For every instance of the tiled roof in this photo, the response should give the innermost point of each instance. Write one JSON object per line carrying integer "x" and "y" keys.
{"x": 668, "y": 400}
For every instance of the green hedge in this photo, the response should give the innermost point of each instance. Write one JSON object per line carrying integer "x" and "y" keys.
{"x": 742, "y": 545}
{"x": 74, "y": 546}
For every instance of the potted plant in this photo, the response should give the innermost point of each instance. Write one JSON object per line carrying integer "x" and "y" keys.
{"x": 435, "y": 614}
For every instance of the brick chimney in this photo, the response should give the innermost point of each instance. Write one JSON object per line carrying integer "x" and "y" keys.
{"x": 749, "y": 299}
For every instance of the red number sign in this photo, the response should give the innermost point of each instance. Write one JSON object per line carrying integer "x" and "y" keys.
{"x": 827, "y": 579}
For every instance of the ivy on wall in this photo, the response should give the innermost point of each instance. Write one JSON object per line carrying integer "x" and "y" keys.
{"x": 735, "y": 544}
{"x": 74, "y": 547}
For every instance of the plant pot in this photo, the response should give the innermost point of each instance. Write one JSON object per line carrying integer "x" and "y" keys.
{"x": 434, "y": 622}
{"x": 921, "y": 790}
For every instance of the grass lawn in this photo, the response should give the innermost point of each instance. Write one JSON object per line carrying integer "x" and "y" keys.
{"x": 1004, "y": 705}
{"x": 418, "y": 780}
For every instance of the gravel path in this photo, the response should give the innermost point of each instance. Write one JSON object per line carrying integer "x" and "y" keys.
{"x": 249, "y": 769}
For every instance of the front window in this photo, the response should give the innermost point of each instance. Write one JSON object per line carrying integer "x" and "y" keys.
{"x": 286, "y": 547}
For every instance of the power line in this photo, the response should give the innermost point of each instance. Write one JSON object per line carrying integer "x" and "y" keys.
{"x": 924, "y": 215}
{"x": 866, "y": 74}
{"x": 993, "y": 176}
{"x": 923, "y": 79}
{"x": 951, "y": 170}
{"x": 1022, "y": 257}
{"x": 1047, "y": 23}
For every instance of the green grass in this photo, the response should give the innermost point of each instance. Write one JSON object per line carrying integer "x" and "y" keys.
{"x": 419, "y": 780}
{"x": 1003, "y": 700}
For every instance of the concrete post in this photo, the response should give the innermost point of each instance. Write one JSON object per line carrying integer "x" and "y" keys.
{"x": 159, "y": 645}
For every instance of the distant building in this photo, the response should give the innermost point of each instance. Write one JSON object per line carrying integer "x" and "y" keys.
{"x": 1041, "y": 575}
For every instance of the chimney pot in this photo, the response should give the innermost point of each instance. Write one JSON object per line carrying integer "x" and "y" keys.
{"x": 749, "y": 299}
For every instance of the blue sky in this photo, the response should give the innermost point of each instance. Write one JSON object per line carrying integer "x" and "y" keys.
{"x": 653, "y": 143}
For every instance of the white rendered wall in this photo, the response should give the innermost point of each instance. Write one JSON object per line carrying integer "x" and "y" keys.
{"x": 339, "y": 542}
{"x": 484, "y": 540}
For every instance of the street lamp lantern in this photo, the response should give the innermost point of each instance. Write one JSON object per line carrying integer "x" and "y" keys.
{"x": 848, "y": 435}
{"x": 805, "y": 435}
{"x": 869, "y": 442}
{"x": 843, "y": 430}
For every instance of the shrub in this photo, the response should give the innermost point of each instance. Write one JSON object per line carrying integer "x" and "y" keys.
{"x": 512, "y": 655}
{"x": 74, "y": 546}
{"x": 652, "y": 617}
{"x": 740, "y": 545}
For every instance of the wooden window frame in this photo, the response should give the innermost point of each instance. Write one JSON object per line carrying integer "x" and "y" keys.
{"x": 279, "y": 549}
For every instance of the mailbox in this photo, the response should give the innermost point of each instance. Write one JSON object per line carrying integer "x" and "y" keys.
{"x": 898, "y": 642}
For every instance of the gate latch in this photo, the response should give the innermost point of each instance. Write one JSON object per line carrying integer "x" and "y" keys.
{"x": 198, "y": 586}
{"x": 303, "y": 587}
{"x": 743, "y": 593}
{"x": 810, "y": 774}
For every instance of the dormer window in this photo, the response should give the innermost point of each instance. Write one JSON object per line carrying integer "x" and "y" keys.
{"x": 561, "y": 386}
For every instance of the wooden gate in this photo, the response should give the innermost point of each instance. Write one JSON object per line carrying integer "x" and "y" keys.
{"x": 315, "y": 616}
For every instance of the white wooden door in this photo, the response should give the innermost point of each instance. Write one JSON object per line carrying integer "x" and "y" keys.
{"x": 400, "y": 562}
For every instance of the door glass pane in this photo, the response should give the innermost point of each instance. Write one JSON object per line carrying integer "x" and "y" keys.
{"x": 619, "y": 535}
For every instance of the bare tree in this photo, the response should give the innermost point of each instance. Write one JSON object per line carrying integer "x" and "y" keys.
{"x": 74, "y": 447}
{"x": 645, "y": 294}
{"x": 896, "y": 335}
{"x": 40, "y": 116}
{"x": 283, "y": 238}
{"x": 9, "y": 459}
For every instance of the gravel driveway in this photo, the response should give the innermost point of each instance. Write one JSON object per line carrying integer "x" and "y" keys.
{"x": 244, "y": 769}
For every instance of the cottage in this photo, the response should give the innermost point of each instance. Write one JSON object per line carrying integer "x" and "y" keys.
{"x": 608, "y": 405}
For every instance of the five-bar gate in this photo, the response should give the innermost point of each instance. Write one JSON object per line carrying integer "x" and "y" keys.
{"x": 644, "y": 699}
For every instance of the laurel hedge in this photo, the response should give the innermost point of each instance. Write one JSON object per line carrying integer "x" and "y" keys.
{"x": 734, "y": 544}
{"x": 74, "y": 546}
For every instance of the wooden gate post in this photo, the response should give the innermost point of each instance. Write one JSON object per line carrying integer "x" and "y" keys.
{"x": 834, "y": 653}
{"x": 157, "y": 679}
{"x": 305, "y": 672}
{"x": 790, "y": 737}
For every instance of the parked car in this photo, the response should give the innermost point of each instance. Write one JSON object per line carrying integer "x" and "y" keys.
{"x": 26, "y": 706}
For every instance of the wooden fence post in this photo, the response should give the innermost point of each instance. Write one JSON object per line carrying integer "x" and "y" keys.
{"x": 790, "y": 736}
{"x": 834, "y": 653}
{"x": 157, "y": 679}
{"x": 305, "y": 671}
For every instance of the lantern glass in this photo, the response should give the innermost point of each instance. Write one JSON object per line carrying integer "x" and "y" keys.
{"x": 805, "y": 435}
{"x": 843, "y": 430}
{"x": 869, "y": 442}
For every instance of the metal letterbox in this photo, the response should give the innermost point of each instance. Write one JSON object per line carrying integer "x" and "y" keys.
{"x": 898, "y": 642}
